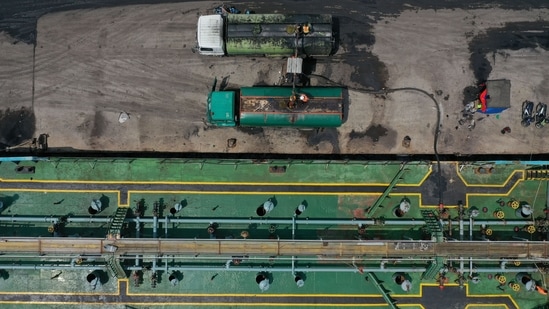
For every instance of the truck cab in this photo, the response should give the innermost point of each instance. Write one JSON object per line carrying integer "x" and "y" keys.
{"x": 221, "y": 108}
{"x": 210, "y": 35}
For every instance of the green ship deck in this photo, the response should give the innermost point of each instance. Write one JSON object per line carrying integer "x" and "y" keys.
{"x": 188, "y": 233}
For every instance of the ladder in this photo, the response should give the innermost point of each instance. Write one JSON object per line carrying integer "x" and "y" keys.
{"x": 115, "y": 268}
{"x": 388, "y": 190}
{"x": 116, "y": 223}
{"x": 433, "y": 269}
{"x": 390, "y": 302}
{"x": 433, "y": 225}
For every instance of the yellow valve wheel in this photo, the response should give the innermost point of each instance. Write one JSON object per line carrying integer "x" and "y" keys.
{"x": 489, "y": 232}
{"x": 531, "y": 229}
{"x": 515, "y": 287}
{"x": 50, "y": 229}
{"x": 502, "y": 279}
{"x": 517, "y": 263}
{"x": 500, "y": 214}
{"x": 515, "y": 204}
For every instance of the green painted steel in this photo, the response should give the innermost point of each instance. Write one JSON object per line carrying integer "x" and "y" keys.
{"x": 115, "y": 268}
{"x": 433, "y": 224}
{"x": 294, "y": 120}
{"x": 269, "y": 106}
{"x": 433, "y": 269}
{"x": 275, "y": 34}
{"x": 388, "y": 190}
{"x": 117, "y": 222}
{"x": 377, "y": 283}
{"x": 221, "y": 108}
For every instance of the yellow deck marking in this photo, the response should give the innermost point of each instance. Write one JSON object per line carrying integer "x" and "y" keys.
{"x": 255, "y": 295}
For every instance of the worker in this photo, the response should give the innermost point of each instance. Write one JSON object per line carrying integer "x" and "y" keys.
{"x": 306, "y": 28}
{"x": 292, "y": 102}
{"x": 303, "y": 98}
{"x": 483, "y": 98}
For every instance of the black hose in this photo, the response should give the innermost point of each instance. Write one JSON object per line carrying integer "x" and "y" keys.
{"x": 437, "y": 129}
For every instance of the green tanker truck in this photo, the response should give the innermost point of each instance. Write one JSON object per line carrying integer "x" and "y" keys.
{"x": 265, "y": 35}
{"x": 304, "y": 107}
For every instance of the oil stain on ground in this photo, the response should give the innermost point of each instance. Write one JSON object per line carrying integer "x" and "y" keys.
{"x": 369, "y": 71}
{"x": 513, "y": 36}
{"x": 16, "y": 126}
{"x": 374, "y": 132}
{"x": 330, "y": 135}
{"x": 19, "y": 18}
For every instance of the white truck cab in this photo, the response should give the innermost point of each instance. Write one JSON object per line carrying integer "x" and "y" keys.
{"x": 210, "y": 35}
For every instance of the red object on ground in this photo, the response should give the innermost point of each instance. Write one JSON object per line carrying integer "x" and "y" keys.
{"x": 482, "y": 98}
{"x": 541, "y": 290}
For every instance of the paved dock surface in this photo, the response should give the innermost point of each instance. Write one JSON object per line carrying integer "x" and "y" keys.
{"x": 138, "y": 59}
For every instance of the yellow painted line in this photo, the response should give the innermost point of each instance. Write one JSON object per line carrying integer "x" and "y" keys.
{"x": 256, "y": 193}
{"x": 506, "y": 194}
{"x": 117, "y": 192}
{"x": 58, "y": 190}
{"x": 204, "y": 304}
{"x": 486, "y": 305}
{"x": 490, "y": 185}
{"x": 251, "y": 304}
{"x": 221, "y": 183}
{"x": 429, "y": 172}
{"x": 62, "y": 293}
{"x": 467, "y": 293}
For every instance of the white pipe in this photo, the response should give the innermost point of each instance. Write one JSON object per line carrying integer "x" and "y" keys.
{"x": 334, "y": 269}
{"x": 50, "y": 219}
{"x": 461, "y": 221}
{"x": 470, "y": 228}
{"x": 286, "y": 269}
{"x": 52, "y": 267}
{"x": 137, "y": 232}
{"x": 166, "y": 222}
{"x": 293, "y": 227}
{"x": 470, "y": 266}
{"x": 278, "y": 258}
{"x": 502, "y": 264}
{"x": 155, "y": 227}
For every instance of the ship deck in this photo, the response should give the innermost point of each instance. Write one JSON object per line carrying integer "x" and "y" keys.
{"x": 341, "y": 264}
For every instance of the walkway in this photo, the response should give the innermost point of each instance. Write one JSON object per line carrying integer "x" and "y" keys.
{"x": 428, "y": 188}
{"x": 431, "y": 297}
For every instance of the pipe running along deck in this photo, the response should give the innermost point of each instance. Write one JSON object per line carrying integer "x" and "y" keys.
{"x": 390, "y": 248}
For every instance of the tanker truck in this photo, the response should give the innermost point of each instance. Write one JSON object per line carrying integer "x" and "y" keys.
{"x": 265, "y": 35}
{"x": 303, "y": 107}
